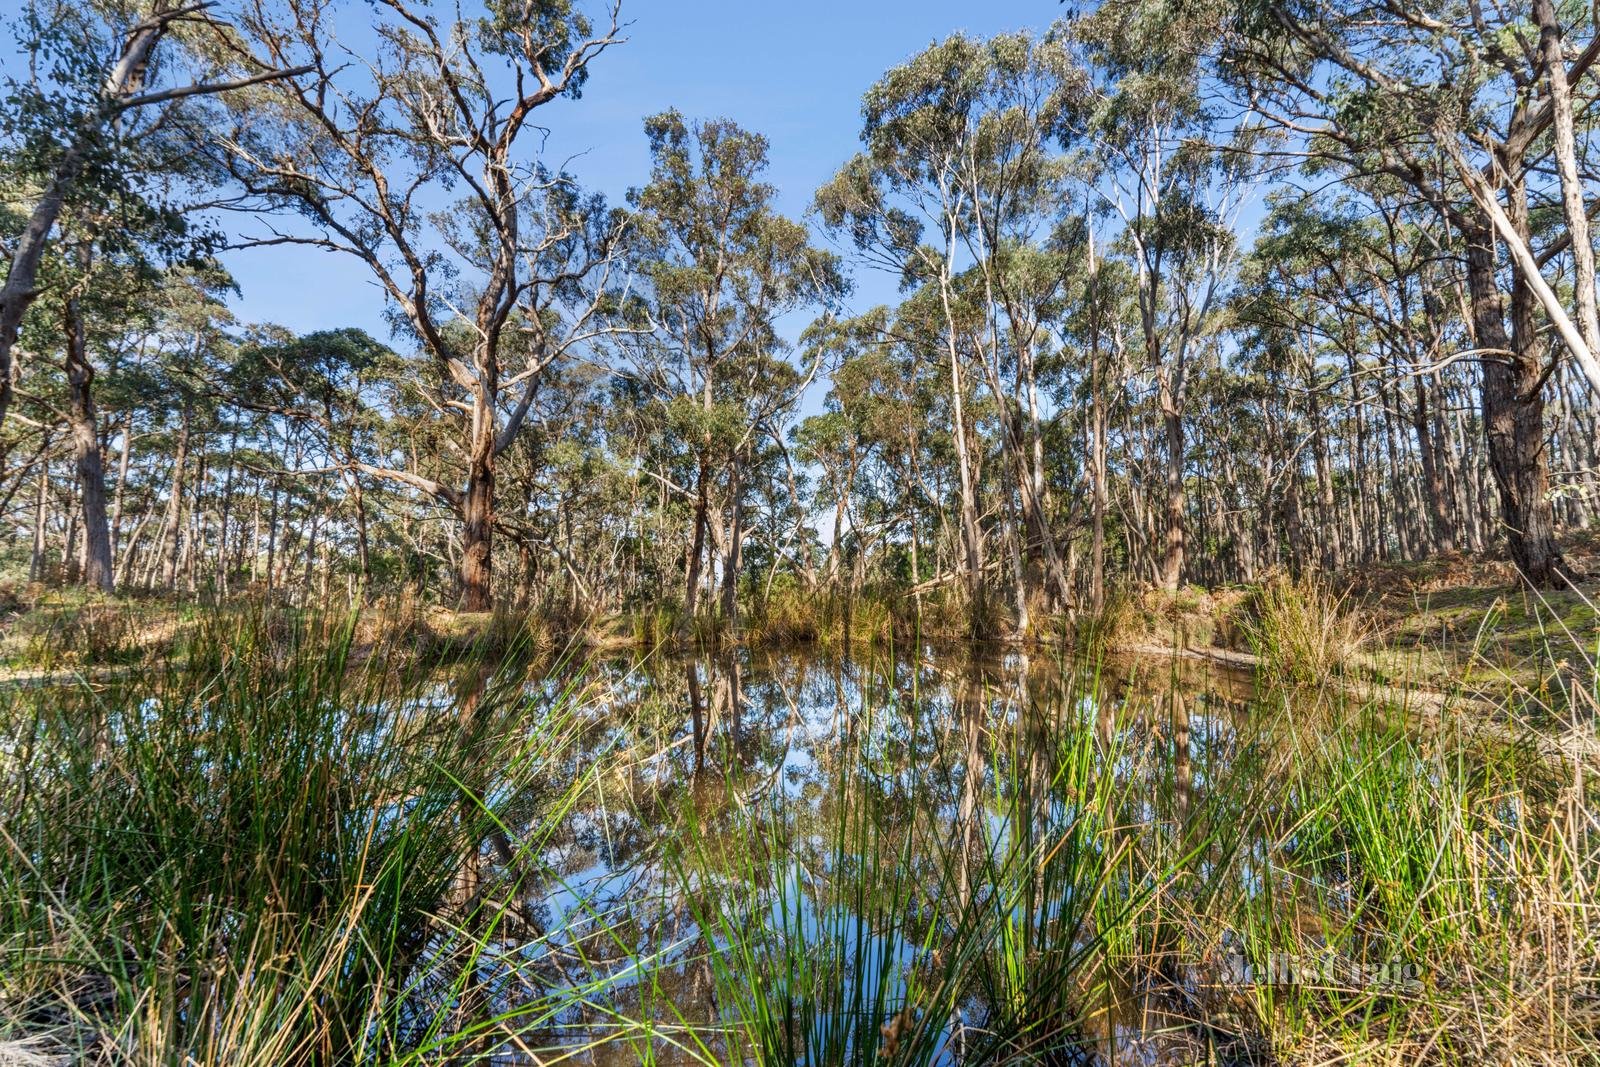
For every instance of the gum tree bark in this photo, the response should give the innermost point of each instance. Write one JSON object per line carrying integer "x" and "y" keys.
{"x": 1513, "y": 416}
{"x": 1554, "y": 59}
{"x": 84, "y": 426}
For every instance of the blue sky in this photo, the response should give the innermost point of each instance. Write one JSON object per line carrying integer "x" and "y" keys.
{"x": 793, "y": 71}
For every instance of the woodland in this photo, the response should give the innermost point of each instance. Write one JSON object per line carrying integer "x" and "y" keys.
{"x": 1092, "y": 378}
{"x": 1107, "y": 576}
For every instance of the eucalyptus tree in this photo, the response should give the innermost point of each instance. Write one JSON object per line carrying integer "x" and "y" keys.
{"x": 102, "y": 95}
{"x": 193, "y": 346}
{"x": 719, "y": 266}
{"x": 1098, "y": 327}
{"x": 494, "y": 285}
{"x": 103, "y": 294}
{"x": 93, "y": 134}
{"x": 1029, "y": 257}
{"x": 957, "y": 191}
{"x": 1336, "y": 274}
{"x": 872, "y": 442}
{"x": 103, "y": 299}
{"x": 1456, "y": 105}
{"x": 575, "y": 493}
{"x": 1153, "y": 143}
{"x": 66, "y": 328}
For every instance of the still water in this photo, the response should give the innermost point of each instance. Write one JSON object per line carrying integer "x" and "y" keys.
{"x": 944, "y": 856}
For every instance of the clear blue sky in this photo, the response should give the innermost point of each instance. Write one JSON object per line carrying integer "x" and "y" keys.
{"x": 794, "y": 71}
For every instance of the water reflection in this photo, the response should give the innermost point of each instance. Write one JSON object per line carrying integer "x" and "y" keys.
{"x": 739, "y": 792}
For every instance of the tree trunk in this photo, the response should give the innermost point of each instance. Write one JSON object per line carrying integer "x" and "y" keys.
{"x": 122, "y": 481}
{"x": 1172, "y": 562}
{"x": 194, "y": 519}
{"x": 363, "y": 539}
{"x": 170, "y": 530}
{"x": 477, "y": 519}
{"x": 971, "y": 531}
{"x": 1444, "y": 534}
{"x": 697, "y": 546}
{"x": 36, "y": 559}
{"x": 1553, "y": 57}
{"x": 733, "y": 555}
{"x": 1097, "y": 462}
{"x": 19, "y": 291}
{"x": 97, "y": 569}
{"x": 1294, "y": 520}
{"x": 272, "y": 535}
{"x": 1513, "y": 422}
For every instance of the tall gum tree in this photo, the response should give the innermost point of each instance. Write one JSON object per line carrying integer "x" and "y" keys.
{"x": 419, "y": 163}
{"x": 1154, "y": 161}
{"x": 114, "y": 205}
{"x": 957, "y": 192}
{"x": 719, "y": 266}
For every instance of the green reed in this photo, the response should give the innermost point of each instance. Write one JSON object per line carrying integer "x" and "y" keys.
{"x": 277, "y": 847}
{"x": 271, "y": 854}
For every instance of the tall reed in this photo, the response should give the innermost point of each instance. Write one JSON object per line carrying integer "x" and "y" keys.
{"x": 267, "y": 855}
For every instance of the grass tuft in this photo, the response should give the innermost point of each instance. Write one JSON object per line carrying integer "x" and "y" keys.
{"x": 1302, "y": 631}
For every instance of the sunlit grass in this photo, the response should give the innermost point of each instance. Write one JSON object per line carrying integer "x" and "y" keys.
{"x": 263, "y": 851}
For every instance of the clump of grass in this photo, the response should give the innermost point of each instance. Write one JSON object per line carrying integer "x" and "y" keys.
{"x": 1096, "y": 633}
{"x": 785, "y": 615}
{"x": 395, "y": 619}
{"x": 84, "y": 631}
{"x": 866, "y": 620}
{"x": 833, "y": 621}
{"x": 1460, "y": 877}
{"x": 506, "y": 633}
{"x": 1044, "y": 872}
{"x": 656, "y": 625}
{"x": 1303, "y": 632}
{"x": 265, "y": 856}
{"x": 960, "y": 897}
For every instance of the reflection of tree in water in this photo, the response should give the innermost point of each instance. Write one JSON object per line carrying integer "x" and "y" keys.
{"x": 761, "y": 758}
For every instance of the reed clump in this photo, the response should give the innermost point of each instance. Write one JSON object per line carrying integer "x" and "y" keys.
{"x": 1302, "y": 631}
{"x": 1324, "y": 884}
{"x": 268, "y": 856}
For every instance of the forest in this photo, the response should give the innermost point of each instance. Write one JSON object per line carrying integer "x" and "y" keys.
{"x": 1133, "y": 522}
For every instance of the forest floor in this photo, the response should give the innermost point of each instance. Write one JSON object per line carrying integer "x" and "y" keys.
{"x": 1445, "y": 623}
{"x": 1451, "y": 618}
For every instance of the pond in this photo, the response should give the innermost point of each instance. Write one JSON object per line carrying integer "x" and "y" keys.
{"x": 925, "y": 855}
{"x": 946, "y": 855}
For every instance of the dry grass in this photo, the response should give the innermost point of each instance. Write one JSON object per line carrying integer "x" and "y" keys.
{"x": 1303, "y": 631}
{"x": 38, "y": 1051}
{"x": 1117, "y": 623}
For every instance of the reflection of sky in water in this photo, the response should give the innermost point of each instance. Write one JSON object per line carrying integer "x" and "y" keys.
{"x": 761, "y": 745}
